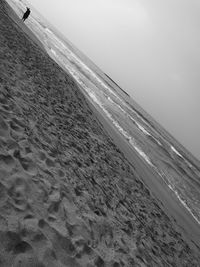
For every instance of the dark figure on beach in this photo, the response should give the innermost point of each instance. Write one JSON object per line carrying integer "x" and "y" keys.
{"x": 26, "y": 14}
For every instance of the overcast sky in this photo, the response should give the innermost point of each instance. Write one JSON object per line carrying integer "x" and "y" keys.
{"x": 151, "y": 48}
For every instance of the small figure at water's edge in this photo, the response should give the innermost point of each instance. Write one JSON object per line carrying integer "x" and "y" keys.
{"x": 26, "y": 14}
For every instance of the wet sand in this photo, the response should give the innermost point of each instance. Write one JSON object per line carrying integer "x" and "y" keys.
{"x": 167, "y": 199}
{"x": 68, "y": 195}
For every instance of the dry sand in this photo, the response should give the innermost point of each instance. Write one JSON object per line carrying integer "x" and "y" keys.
{"x": 68, "y": 196}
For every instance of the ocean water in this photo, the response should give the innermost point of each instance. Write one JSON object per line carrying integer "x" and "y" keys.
{"x": 155, "y": 146}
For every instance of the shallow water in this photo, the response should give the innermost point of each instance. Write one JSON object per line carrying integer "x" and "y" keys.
{"x": 153, "y": 144}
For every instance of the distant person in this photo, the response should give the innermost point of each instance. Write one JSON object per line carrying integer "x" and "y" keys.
{"x": 26, "y": 14}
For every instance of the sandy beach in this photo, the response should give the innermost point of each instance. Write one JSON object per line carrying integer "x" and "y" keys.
{"x": 72, "y": 191}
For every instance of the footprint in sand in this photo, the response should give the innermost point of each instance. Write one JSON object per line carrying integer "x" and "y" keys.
{"x": 25, "y": 147}
{"x": 42, "y": 156}
{"x": 25, "y": 256}
{"x": 9, "y": 240}
{"x": 12, "y": 145}
{"x": 16, "y": 128}
{"x": 7, "y": 162}
{"x": 50, "y": 163}
{"x": 18, "y": 190}
{"x": 61, "y": 173}
{"x": 62, "y": 246}
{"x": 46, "y": 161}
{"x": 34, "y": 235}
{"x": 27, "y": 164}
{"x": 15, "y": 125}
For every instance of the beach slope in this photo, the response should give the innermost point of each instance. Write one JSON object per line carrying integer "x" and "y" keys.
{"x": 68, "y": 195}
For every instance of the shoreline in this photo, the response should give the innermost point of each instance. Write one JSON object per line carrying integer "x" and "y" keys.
{"x": 173, "y": 207}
